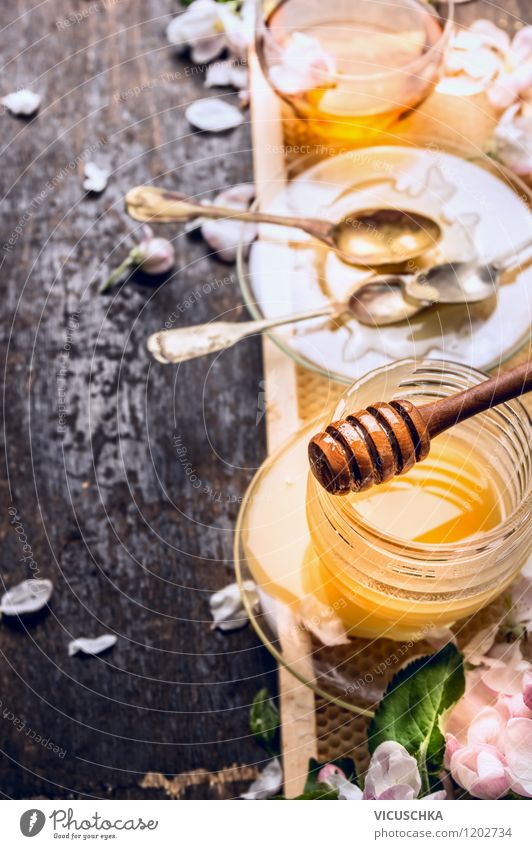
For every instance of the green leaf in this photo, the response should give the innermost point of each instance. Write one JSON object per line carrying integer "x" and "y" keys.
{"x": 311, "y": 784}
{"x": 413, "y": 705}
{"x": 264, "y": 722}
{"x": 322, "y": 791}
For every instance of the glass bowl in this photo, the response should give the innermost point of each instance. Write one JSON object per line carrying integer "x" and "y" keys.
{"x": 301, "y": 611}
{"x": 482, "y": 209}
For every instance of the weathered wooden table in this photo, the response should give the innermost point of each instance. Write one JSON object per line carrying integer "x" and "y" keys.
{"x": 126, "y": 477}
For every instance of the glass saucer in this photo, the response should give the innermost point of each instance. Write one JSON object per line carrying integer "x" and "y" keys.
{"x": 272, "y": 550}
{"x": 482, "y": 209}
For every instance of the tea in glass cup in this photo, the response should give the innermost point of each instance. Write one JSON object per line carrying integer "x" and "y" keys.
{"x": 347, "y": 70}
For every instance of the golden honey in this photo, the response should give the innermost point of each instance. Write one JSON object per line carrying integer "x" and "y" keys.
{"x": 387, "y": 60}
{"x": 449, "y": 497}
{"x": 420, "y": 553}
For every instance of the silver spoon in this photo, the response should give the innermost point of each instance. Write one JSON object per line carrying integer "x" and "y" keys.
{"x": 383, "y": 304}
{"x": 379, "y": 302}
{"x": 367, "y": 237}
{"x": 457, "y": 282}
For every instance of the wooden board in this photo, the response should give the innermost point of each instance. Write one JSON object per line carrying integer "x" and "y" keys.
{"x": 311, "y": 726}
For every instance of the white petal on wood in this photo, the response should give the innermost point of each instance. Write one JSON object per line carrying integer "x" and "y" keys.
{"x": 227, "y": 609}
{"x": 28, "y": 597}
{"x": 95, "y": 178}
{"x": 268, "y": 783}
{"x": 23, "y": 102}
{"x": 88, "y": 645}
{"x": 213, "y": 116}
{"x": 225, "y": 235}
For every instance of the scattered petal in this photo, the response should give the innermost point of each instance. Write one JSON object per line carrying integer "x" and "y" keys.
{"x": 213, "y": 116}
{"x": 93, "y": 646}
{"x": 268, "y": 783}
{"x": 226, "y": 235}
{"x": 227, "y": 609}
{"x": 28, "y": 597}
{"x": 23, "y": 102}
{"x": 95, "y": 178}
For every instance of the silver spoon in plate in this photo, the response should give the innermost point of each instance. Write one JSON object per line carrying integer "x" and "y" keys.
{"x": 381, "y": 301}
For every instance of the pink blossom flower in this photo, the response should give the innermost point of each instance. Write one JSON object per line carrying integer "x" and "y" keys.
{"x": 488, "y": 733}
{"x": 153, "y": 254}
{"x": 336, "y": 778}
{"x": 392, "y": 774}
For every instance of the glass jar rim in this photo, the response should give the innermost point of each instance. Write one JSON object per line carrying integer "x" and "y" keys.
{"x": 435, "y": 551}
{"x": 445, "y": 33}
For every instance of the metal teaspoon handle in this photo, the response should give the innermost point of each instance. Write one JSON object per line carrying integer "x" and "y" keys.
{"x": 187, "y": 343}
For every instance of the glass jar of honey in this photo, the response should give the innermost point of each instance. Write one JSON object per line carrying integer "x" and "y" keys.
{"x": 441, "y": 542}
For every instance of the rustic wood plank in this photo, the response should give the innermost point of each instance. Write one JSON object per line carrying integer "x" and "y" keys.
{"x": 112, "y": 507}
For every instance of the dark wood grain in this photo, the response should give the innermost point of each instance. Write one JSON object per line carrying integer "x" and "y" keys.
{"x": 128, "y": 497}
{"x": 129, "y": 503}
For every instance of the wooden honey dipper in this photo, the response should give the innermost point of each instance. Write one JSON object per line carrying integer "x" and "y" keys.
{"x": 372, "y": 446}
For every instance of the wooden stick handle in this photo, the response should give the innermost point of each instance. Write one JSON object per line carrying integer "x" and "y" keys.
{"x": 457, "y": 408}
{"x": 373, "y": 445}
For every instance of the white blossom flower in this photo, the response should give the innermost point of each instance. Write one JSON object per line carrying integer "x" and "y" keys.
{"x": 303, "y": 66}
{"x": 268, "y": 783}
{"x": 229, "y": 72}
{"x": 224, "y": 235}
{"x": 227, "y": 608}
{"x": 208, "y": 28}
{"x": 512, "y": 139}
{"x": 23, "y": 102}
{"x": 482, "y": 57}
{"x": 95, "y": 178}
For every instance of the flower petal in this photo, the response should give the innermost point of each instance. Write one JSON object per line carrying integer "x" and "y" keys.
{"x": 95, "y": 178}
{"x": 213, "y": 116}
{"x": 505, "y": 674}
{"x": 337, "y": 779}
{"x": 268, "y": 783}
{"x": 23, "y": 102}
{"x": 489, "y": 33}
{"x": 390, "y": 765}
{"x": 521, "y": 49}
{"x": 518, "y": 751}
{"x": 27, "y": 597}
{"x": 492, "y": 780}
{"x": 527, "y": 688}
{"x": 91, "y": 645}
{"x": 487, "y": 727}
{"x": 480, "y": 645}
{"x": 227, "y": 610}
